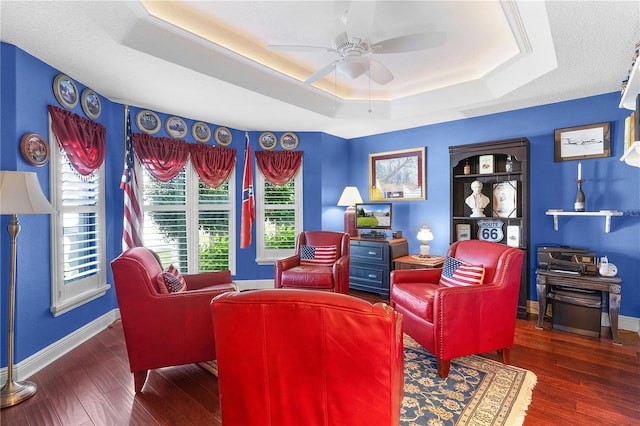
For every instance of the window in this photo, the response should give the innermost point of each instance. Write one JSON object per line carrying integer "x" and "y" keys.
{"x": 187, "y": 223}
{"x": 278, "y": 217}
{"x": 77, "y": 235}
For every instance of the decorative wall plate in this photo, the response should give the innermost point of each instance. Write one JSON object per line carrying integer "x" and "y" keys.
{"x": 200, "y": 131}
{"x": 148, "y": 121}
{"x": 91, "y": 103}
{"x": 223, "y": 136}
{"x": 268, "y": 140}
{"x": 176, "y": 127}
{"x": 65, "y": 91}
{"x": 289, "y": 141}
{"x": 34, "y": 149}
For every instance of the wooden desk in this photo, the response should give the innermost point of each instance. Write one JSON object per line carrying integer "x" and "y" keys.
{"x": 611, "y": 286}
{"x": 415, "y": 262}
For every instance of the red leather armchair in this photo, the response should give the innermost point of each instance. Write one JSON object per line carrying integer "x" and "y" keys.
{"x": 291, "y": 273}
{"x": 163, "y": 330}
{"x": 302, "y": 357}
{"x": 452, "y": 322}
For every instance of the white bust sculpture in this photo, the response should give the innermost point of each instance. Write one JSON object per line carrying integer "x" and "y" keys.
{"x": 477, "y": 200}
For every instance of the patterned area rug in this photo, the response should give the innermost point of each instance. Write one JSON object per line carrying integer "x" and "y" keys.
{"x": 478, "y": 391}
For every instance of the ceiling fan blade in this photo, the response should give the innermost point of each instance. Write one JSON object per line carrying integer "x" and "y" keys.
{"x": 360, "y": 17}
{"x": 296, "y": 48}
{"x": 379, "y": 72}
{"x": 410, "y": 42}
{"x": 321, "y": 72}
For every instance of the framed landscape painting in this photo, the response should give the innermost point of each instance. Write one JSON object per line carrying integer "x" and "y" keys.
{"x": 397, "y": 175}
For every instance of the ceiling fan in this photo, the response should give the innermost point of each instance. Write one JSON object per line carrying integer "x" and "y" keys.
{"x": 355, "y": 49}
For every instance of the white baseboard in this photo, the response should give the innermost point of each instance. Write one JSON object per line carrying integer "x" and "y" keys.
{"x": 46, "y": 356}
{"x": 624, "y": 322}
{"x": 254, "y": 284}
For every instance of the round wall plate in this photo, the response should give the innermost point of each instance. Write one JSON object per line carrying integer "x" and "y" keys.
{"x": 201, "y": 132}
{"x": 65, "y": 91}
{"x": 289, "y": 141}
{"x": 34, "y": 149}
{"x": 148, "y": 121}
{"x": 223, "y": 136}
{"x": 268, "y": 140}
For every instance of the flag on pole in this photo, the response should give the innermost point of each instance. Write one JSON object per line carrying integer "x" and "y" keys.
{"x": 248, "y": 203}
{"x": 129, "y": 184}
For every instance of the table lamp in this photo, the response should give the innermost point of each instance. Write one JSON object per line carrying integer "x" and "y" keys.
{"x": 349, "y": 198}
{"x": 20, "y": 193}
{"x": 425, "y": 235}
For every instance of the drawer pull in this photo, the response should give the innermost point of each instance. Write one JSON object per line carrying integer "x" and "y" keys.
{"x": 372, "y": 276}
{"x": 372, "y": 253}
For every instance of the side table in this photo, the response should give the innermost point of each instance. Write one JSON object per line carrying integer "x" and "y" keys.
{"x": 414, "y": 261}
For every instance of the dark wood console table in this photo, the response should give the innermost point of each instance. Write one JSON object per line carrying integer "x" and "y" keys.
{"x": 612, "y": 286}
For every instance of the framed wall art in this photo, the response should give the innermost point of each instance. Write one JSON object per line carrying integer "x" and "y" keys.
{"x": 65, "y": 91}
{"x": 289, "y": 141}
{"x": 223, "y": 136}
{"x": 268, "y": 140}
{"x": 148, "y": 121}
{"x": 91, "y": 103}
{"x": 34, "y": 149}
{"x": 176, "y": 127}
{"x": 485, "y": 164}
{"x": 505, "y": 196}
{"x": 582, "y": 142}
{"x": 463, "y": 231}
{"x": 397, "y": 175}
{"x": 201, "y": 132}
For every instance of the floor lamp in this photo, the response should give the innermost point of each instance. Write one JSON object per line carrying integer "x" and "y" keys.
{"x": 20, "y": 193}
{"x": 349, "y": 198}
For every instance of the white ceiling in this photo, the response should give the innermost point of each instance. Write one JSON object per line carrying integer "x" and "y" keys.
{"x": 207, "y": 60}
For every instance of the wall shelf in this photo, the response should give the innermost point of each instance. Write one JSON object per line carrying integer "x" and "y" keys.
{"x": 632, "y": 155}
{"x": 607, "y": 214}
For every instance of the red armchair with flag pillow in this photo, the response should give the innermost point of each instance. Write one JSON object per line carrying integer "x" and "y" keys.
{"x": 306, "y": 358}
{"x": 321, "y": 262}
{"x": 165, "y": 315}
{"x": 467, "y": 307}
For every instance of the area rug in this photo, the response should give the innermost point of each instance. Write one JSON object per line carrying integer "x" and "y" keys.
{"x": 478, "y": 391}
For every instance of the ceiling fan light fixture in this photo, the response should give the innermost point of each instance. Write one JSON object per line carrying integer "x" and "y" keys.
{"x": 353, "y": 67}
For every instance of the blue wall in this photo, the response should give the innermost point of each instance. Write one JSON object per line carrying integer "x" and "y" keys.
{"x": 330, "y": 163}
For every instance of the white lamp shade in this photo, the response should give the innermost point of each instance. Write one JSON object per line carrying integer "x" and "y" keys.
{"x": 425, "y": 234}
{"x": 20, "y": 193}
{"x": 350, "y": 197}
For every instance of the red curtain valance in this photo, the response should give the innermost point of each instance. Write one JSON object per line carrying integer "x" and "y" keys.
{"x": 82, "y": 140}
{"x": 212, "y": 163}
{"x": 278, "y": 167}
{"x": 164, "y": 158}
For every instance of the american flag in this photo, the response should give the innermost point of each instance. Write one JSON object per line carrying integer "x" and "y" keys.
{"x": 248, "y": 202}
{"x": 129, "y": 184}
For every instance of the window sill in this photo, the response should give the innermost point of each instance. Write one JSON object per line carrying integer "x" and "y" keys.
{"x": 79, "y": 300}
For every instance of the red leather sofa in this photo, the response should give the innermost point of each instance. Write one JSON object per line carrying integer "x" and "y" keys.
{"x": 303, "y": 357}
{"x": 457, "y": 321}
{"x": 163, "y": 330}
{"x": 292, "y": 272}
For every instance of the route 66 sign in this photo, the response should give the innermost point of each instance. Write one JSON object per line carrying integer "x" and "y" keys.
{"x": 490, "y": 230}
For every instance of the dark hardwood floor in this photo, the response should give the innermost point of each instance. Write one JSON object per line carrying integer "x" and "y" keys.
{"x": 581, "y": 381}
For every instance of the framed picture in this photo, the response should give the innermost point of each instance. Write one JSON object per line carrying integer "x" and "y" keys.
{"x": 513, "y": 235}
{"x": 397, "y": 175}
{"x": 268, "y": 140}
{"x": 176, "y": 127}
{"x": 485, "y": 164}
{"x": 505, "y": 196}
{"x": 463, "y": 231}
{"x": 581, "y": 142}
{"x": 65, "y": 91}
{"x": 223, "y": 136}
{"x": 200, "y": 131}
{"x": 91, "y": 103}
{"x": 34, "y": 149}
{"x": 148, "y": 121}
{"x": 289, "y": 141}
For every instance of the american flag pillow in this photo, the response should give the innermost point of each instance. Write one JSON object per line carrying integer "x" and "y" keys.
{"x": 170, "y": 281}
{"x": 456, "y": 273}
{"x": 318, "y": 255}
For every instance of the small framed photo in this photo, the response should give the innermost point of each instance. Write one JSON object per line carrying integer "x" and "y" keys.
{"x": 513, "y": 235}
{"x": 505, "y": 196}
{"x": 176, "y": 127}
{"x": 223, "y": 136}
{"x": 34, "y": 149}
{"x": 268, "y": 140}
{"x": 91, "y": 103}
{"x": 65, "y": 91}
{"x": 581, "y": 142}
{"x": 485, "y": 164}
{"x": 463, "y": 232}
{"x": 148, "y": 121}
{"x": 289, "y": 141}
{"x": 201, "y": 132}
